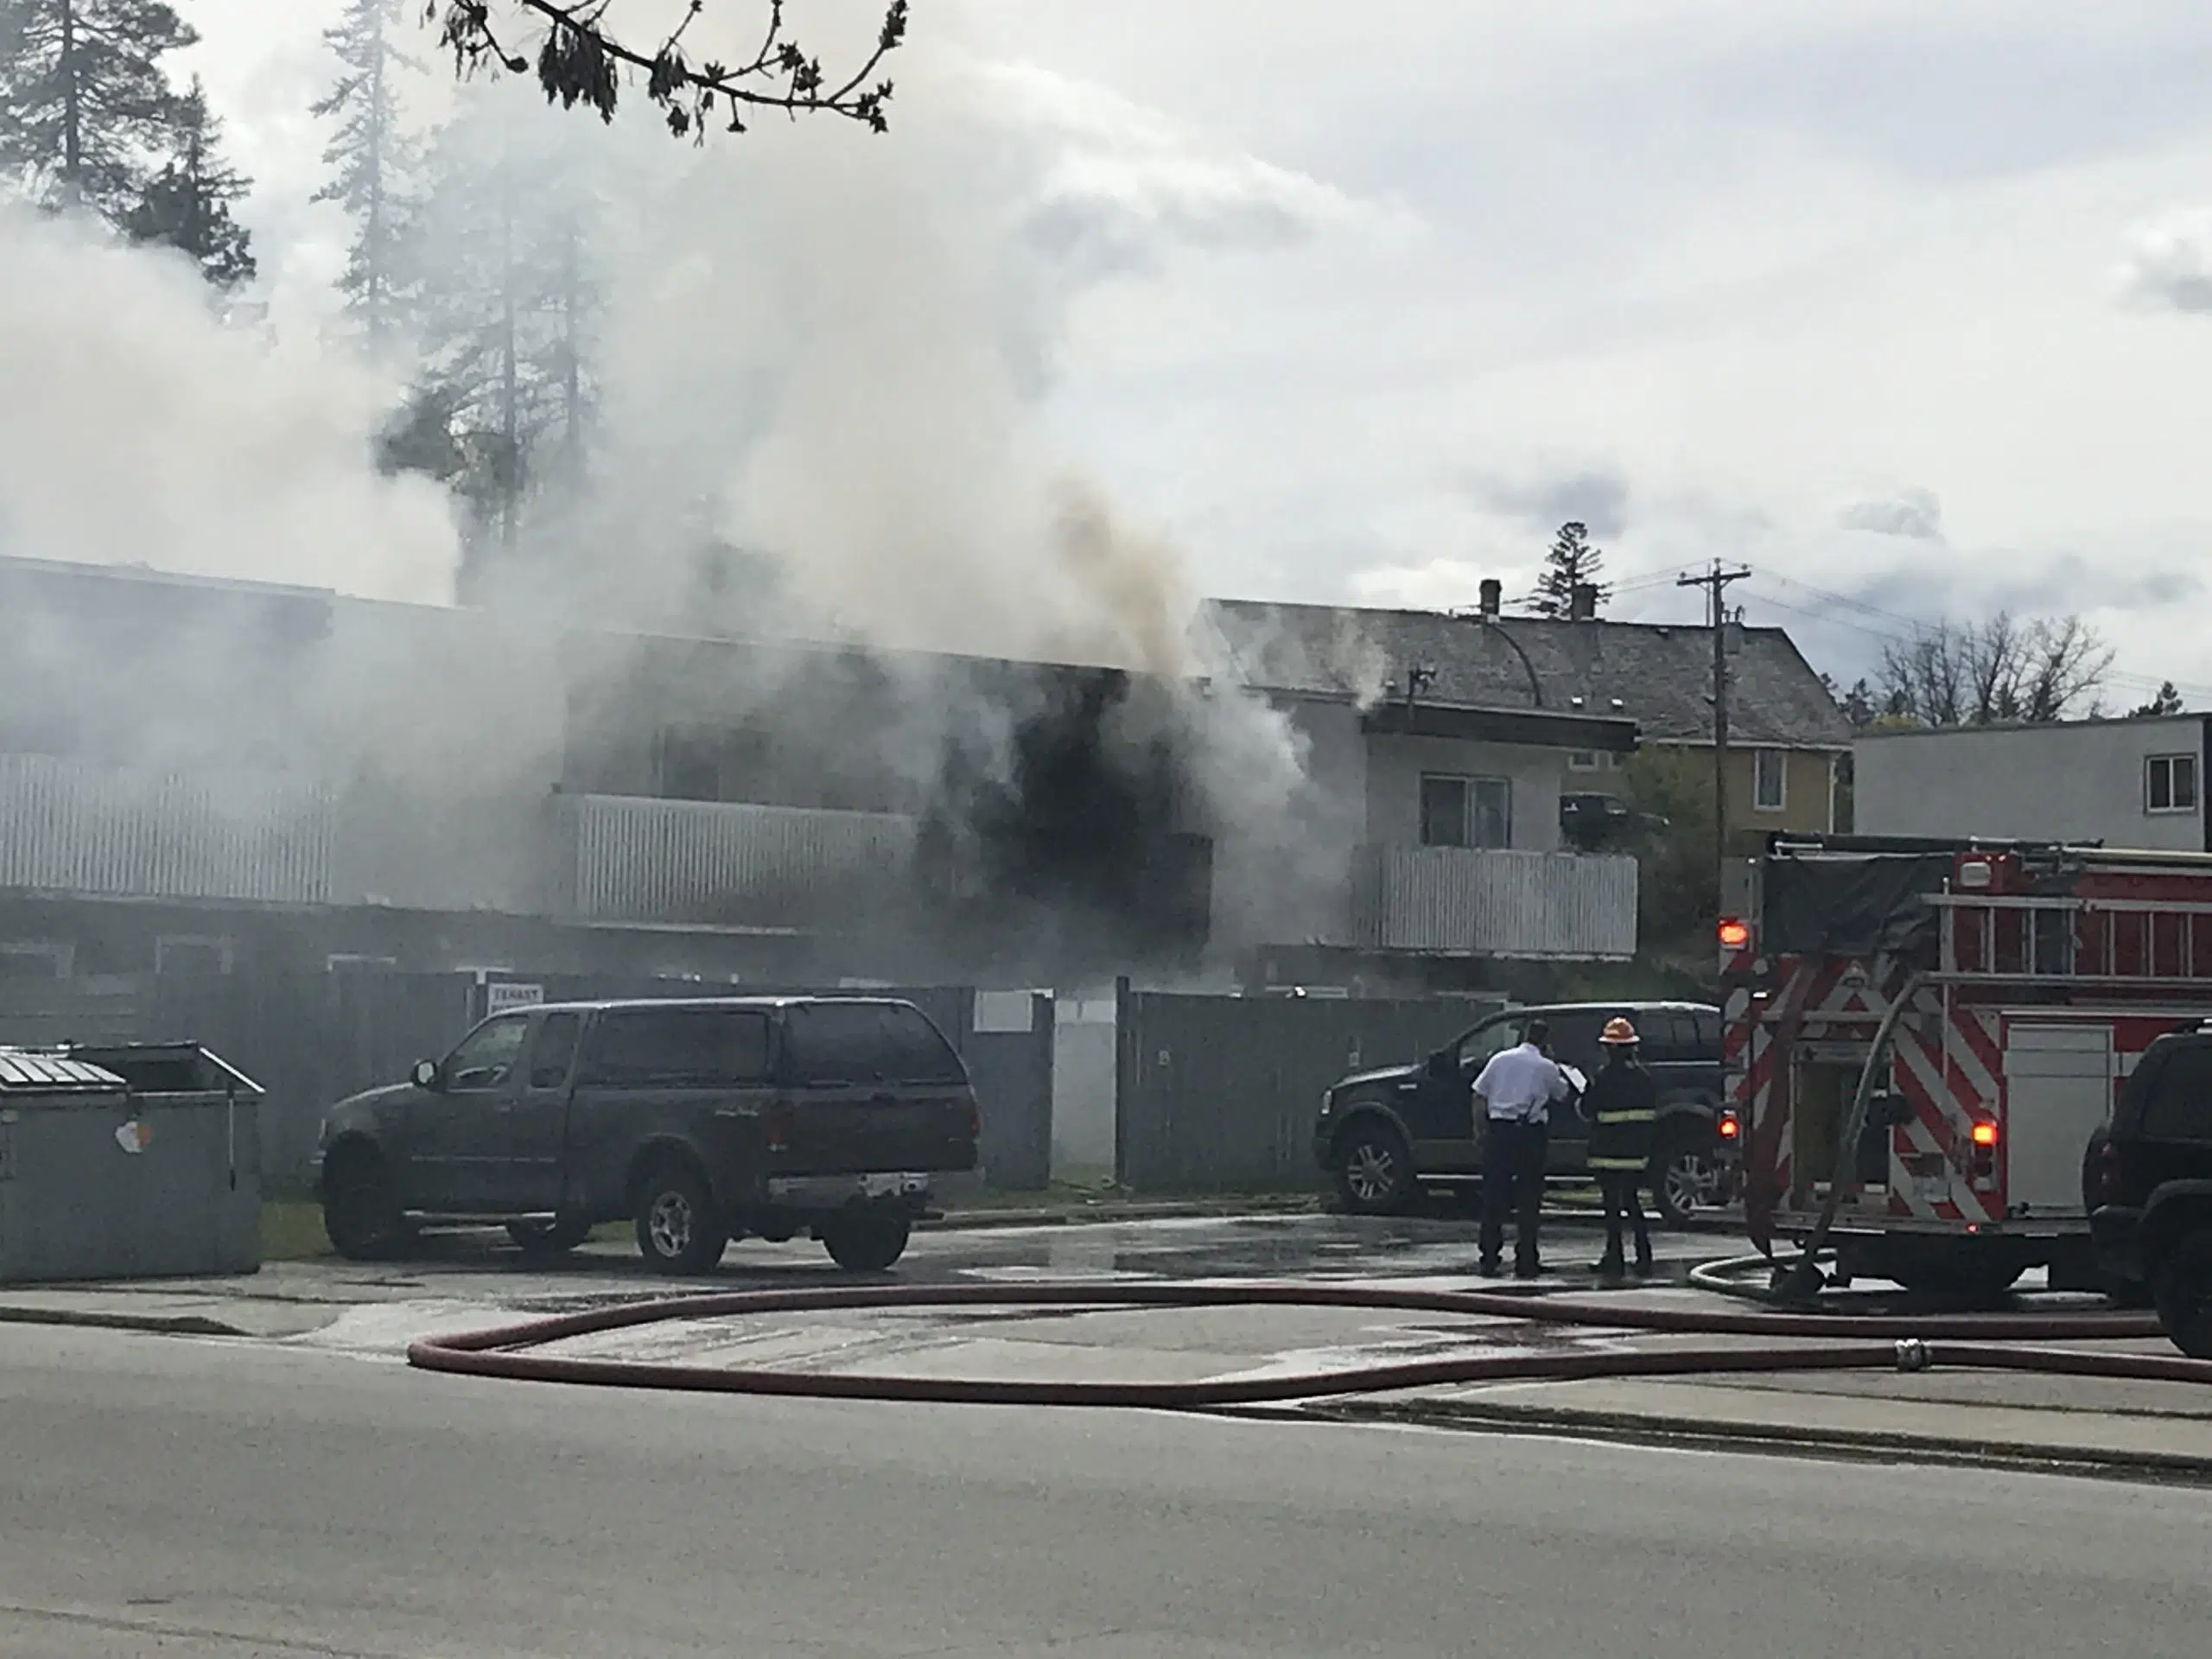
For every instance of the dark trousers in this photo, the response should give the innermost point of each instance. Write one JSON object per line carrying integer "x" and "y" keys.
{"x": 1513, "y": 1179}
{"x": 1623, "y": 1189}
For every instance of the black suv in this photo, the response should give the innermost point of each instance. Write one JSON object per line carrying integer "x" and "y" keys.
{"x": 2149, "y": 1180}
{"x": 1382, "y": 1135}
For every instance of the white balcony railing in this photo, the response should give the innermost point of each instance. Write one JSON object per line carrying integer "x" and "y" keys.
{"x": 70, "y": 827}
{"x": 633, "y": 859}
{"x": 1455, "y": 901}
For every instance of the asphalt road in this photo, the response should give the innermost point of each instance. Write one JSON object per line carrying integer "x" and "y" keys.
{"x": 218, "y": 1500}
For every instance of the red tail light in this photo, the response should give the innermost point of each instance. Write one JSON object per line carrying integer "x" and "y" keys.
{"x": 1735, "y": 933}
{"x": 1729, "y": 1125}
{"x": 975, "y": 1123}
{"x": 1985, "y": 1133}
{"x": 779, "y": 1127}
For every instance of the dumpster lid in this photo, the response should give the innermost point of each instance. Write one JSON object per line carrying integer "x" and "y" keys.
{"x": 24, "y": 1070}
{"x": 165, "y": 1068}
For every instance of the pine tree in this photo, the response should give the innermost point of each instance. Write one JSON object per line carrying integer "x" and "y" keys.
{"x": 1571, "y": 562}
{"x": 186, "y": 205}
{"x": 2166, "y": 702}
{"x": 83, "y": 98}
{"x": 509, "y": 302}
{"x": 373, "y": 161}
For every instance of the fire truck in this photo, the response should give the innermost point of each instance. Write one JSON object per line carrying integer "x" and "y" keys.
{"x": 1921, "y": 1038}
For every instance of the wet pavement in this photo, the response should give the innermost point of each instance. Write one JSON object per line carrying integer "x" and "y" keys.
{"x": 457, "y": 1283}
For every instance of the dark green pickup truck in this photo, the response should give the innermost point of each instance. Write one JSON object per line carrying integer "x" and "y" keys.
{"x": 701, "y": 1120}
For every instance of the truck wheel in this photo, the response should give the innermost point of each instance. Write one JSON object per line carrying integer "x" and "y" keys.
{"x": 1685, "y": 1176}
{"x": 2184, "y": 1294}
{"x": 1374, "y": 1169}
{"x": 679, "y": 1228}
{"x": 360, "y": 1211}
{"x": 557, "y": 1237}
{"x": 866, "y": 1241}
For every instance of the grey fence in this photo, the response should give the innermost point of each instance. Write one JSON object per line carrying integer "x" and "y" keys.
{"x": 310, "y": 1039}
{"x": 1220, "y": 1093}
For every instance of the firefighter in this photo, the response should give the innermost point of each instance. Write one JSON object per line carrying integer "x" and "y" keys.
{"x": 1514, "y": 1093}
{"x": 1623, "y": 1107}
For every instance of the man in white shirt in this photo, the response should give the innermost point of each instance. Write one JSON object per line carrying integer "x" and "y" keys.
{"x": 1515, "y": 1093}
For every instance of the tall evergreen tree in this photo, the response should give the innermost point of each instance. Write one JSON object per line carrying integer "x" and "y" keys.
{"x": 509, "y": 303}
{"x": 373, "y": 160}
{"x": 1571, "y": 562}
{"x": 186, "y": 205}
{"x": 84, "y": 101}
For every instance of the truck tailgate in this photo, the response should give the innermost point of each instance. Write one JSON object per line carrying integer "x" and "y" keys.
{"x": 853, "y": 1130}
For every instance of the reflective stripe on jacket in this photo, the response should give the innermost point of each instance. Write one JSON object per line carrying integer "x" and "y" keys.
{"x": 1622, "y": 1106}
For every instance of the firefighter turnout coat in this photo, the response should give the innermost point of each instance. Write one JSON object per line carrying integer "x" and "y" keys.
{"x": 1622, "y": 1106}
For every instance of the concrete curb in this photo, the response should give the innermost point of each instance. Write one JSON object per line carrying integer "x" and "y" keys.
{"x": 169, "y": 1325}
{"x": 1864, "y": 1444}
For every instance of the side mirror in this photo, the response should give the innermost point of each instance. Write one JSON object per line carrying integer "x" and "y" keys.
{"x": 1439, "y": 1064}
{"x": 425, "y": 1074}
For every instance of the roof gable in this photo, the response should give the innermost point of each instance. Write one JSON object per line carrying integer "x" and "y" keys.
{"x": 1660, "y": 676}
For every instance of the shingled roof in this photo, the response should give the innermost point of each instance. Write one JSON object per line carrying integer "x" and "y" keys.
{"x": 1661, "y": 674}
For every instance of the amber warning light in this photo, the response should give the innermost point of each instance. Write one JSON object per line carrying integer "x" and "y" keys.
{"x": 1735, "y": 934}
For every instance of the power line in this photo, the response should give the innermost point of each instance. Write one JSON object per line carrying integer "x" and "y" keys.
{"x": 1910, "y": 631}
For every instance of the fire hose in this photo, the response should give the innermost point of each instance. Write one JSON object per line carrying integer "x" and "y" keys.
{"x": 1795, "y": 1342}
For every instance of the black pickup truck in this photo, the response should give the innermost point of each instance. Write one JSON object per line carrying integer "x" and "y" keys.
{"x": 703, "y": 1121}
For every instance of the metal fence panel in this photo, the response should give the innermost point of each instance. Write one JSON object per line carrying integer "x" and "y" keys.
{"x": 1220, "y": 1093}
{"x": 67, "y": 827}
{"x": 1496, "y": 902}
{"x": 702, "y": 861}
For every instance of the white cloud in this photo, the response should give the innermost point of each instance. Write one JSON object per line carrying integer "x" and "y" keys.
{"x": 2168, "y": 261}
{"x": 1912, "y": 512}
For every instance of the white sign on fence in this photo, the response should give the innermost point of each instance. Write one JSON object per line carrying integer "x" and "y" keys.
{"x": 1005, "y": 1011}
{"x": 502, "y": 999}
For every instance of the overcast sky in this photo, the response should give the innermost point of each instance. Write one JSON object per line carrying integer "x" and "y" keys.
{"x": 1904, "y": 302}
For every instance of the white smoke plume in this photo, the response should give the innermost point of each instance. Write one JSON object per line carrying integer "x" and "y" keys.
{"x": 138, "y": 428}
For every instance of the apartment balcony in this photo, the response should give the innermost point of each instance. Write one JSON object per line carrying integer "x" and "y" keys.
{"x": 1459, "y": 901}
{"x": 70, "y": 827}
{"x": 633, "y": 859}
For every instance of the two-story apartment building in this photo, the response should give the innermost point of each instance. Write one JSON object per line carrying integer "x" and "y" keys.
{"x": 1787, "y": 738}
{"x": 2127, "y": 783}
{"x": 194, "y": 771}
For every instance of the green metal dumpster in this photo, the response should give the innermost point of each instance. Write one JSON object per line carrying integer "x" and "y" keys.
{"x": 139, "y": 1161}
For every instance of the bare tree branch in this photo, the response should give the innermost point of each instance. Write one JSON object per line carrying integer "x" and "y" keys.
{"x": 2000, "y": 671}
{"x": 582, "y": 61}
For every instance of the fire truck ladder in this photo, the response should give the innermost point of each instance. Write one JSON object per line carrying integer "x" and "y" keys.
{"x": 1995, "y": 939}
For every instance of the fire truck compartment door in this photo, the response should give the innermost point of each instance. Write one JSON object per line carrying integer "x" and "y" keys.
{"x": 2057, "y": 1090}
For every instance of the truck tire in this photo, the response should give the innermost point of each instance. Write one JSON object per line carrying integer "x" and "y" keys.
{"x": 360, "y": 1210}
{"x": 1373, "y": 1169}
{"x": 867, "y": 1241}
{"x": 2183, "y": 1289}
{"x": 556, "y": 1237}
{"x": 1686, "y": 1175}
{"x": 679, "y": 1229}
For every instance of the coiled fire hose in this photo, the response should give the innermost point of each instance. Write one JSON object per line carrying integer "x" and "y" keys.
{"x": 1794, "y": 1342}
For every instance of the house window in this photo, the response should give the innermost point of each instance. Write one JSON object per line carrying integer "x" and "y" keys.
{"x": 2169, "y": 783}
{"x": 1582, "y": 761}
{"x": 1769, "y": 780}
{"x": 1465, "y": 811}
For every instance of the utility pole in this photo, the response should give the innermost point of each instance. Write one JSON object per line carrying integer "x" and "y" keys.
{"x": 1715, "y": 581}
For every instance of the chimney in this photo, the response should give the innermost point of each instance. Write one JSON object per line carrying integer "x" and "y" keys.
{"x": 1493, "y": 593}
{"x": 1582, "y": 603}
